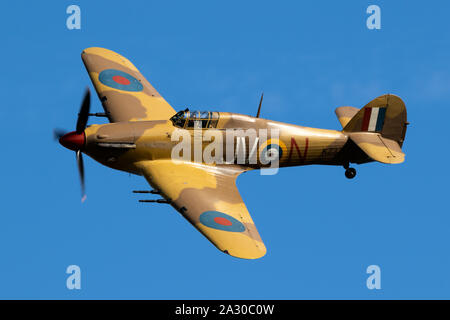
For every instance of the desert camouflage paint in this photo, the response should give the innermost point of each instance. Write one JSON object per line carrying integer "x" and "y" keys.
{"x": 140, "y": 140}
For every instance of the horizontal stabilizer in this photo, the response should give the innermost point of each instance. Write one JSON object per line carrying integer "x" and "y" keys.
{"x": 378, "y": 148}
{"x": 345, "y": 114}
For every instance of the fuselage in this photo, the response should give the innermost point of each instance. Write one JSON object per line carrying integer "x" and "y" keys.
{"x": 224, "y": 139}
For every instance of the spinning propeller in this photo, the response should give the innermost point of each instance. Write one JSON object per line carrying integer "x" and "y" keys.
{"x": 75, "y": 140}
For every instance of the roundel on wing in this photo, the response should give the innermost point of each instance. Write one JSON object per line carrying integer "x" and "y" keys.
{"x": 221, "y": 221}
{"x": 120, "y": 80}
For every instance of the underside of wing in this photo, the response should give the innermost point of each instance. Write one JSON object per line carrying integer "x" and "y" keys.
{"x": 207, "y": 197}
{"x": 125, "y": 94}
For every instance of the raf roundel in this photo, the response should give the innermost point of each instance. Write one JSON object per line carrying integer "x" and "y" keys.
{"x": 120, "y": 80}
{"x": 221, "y": 221}
{"x": 272, "y": 152}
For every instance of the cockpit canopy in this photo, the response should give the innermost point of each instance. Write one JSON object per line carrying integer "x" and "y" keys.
{"x": 195, "y": 119}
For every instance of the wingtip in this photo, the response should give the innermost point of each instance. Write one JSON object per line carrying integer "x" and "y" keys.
{"x": 247, "y": 255}
{"x": 98, "y": 51}
{"x": 107, "y": 54}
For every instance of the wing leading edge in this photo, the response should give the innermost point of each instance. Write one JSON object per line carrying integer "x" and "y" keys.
{"x": 208, "y": 198}
{"x": 124, "y": 92}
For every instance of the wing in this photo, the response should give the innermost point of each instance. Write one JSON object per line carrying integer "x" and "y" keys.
{"x": 125, "y": 94}
{"x": 207, "y": 197}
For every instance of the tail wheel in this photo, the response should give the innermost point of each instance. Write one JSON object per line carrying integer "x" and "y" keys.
{"x": 350, "y": 173}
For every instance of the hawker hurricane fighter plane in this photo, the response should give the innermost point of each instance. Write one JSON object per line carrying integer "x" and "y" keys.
{"x": 192, "y": 158}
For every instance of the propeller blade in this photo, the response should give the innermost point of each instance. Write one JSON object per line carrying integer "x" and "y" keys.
{"x": 81, "y": 172}
{"x": 83, "y": 115}
{"x": 58, "y": 133}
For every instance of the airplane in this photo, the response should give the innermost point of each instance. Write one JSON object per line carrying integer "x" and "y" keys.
{"x": 140, "y": 139}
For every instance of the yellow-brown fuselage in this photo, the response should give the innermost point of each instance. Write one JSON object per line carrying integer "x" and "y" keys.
{"x": 123, "y": 145}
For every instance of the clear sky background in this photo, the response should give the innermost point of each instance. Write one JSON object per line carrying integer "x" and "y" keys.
{"x": 321, "y": 230}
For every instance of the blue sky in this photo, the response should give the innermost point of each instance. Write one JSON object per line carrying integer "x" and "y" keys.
{"x": 322, "y": 231}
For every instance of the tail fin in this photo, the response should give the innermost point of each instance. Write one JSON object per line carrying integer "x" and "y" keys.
{"x": 379, "y": 128}
{"x": 385, "y": 115}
